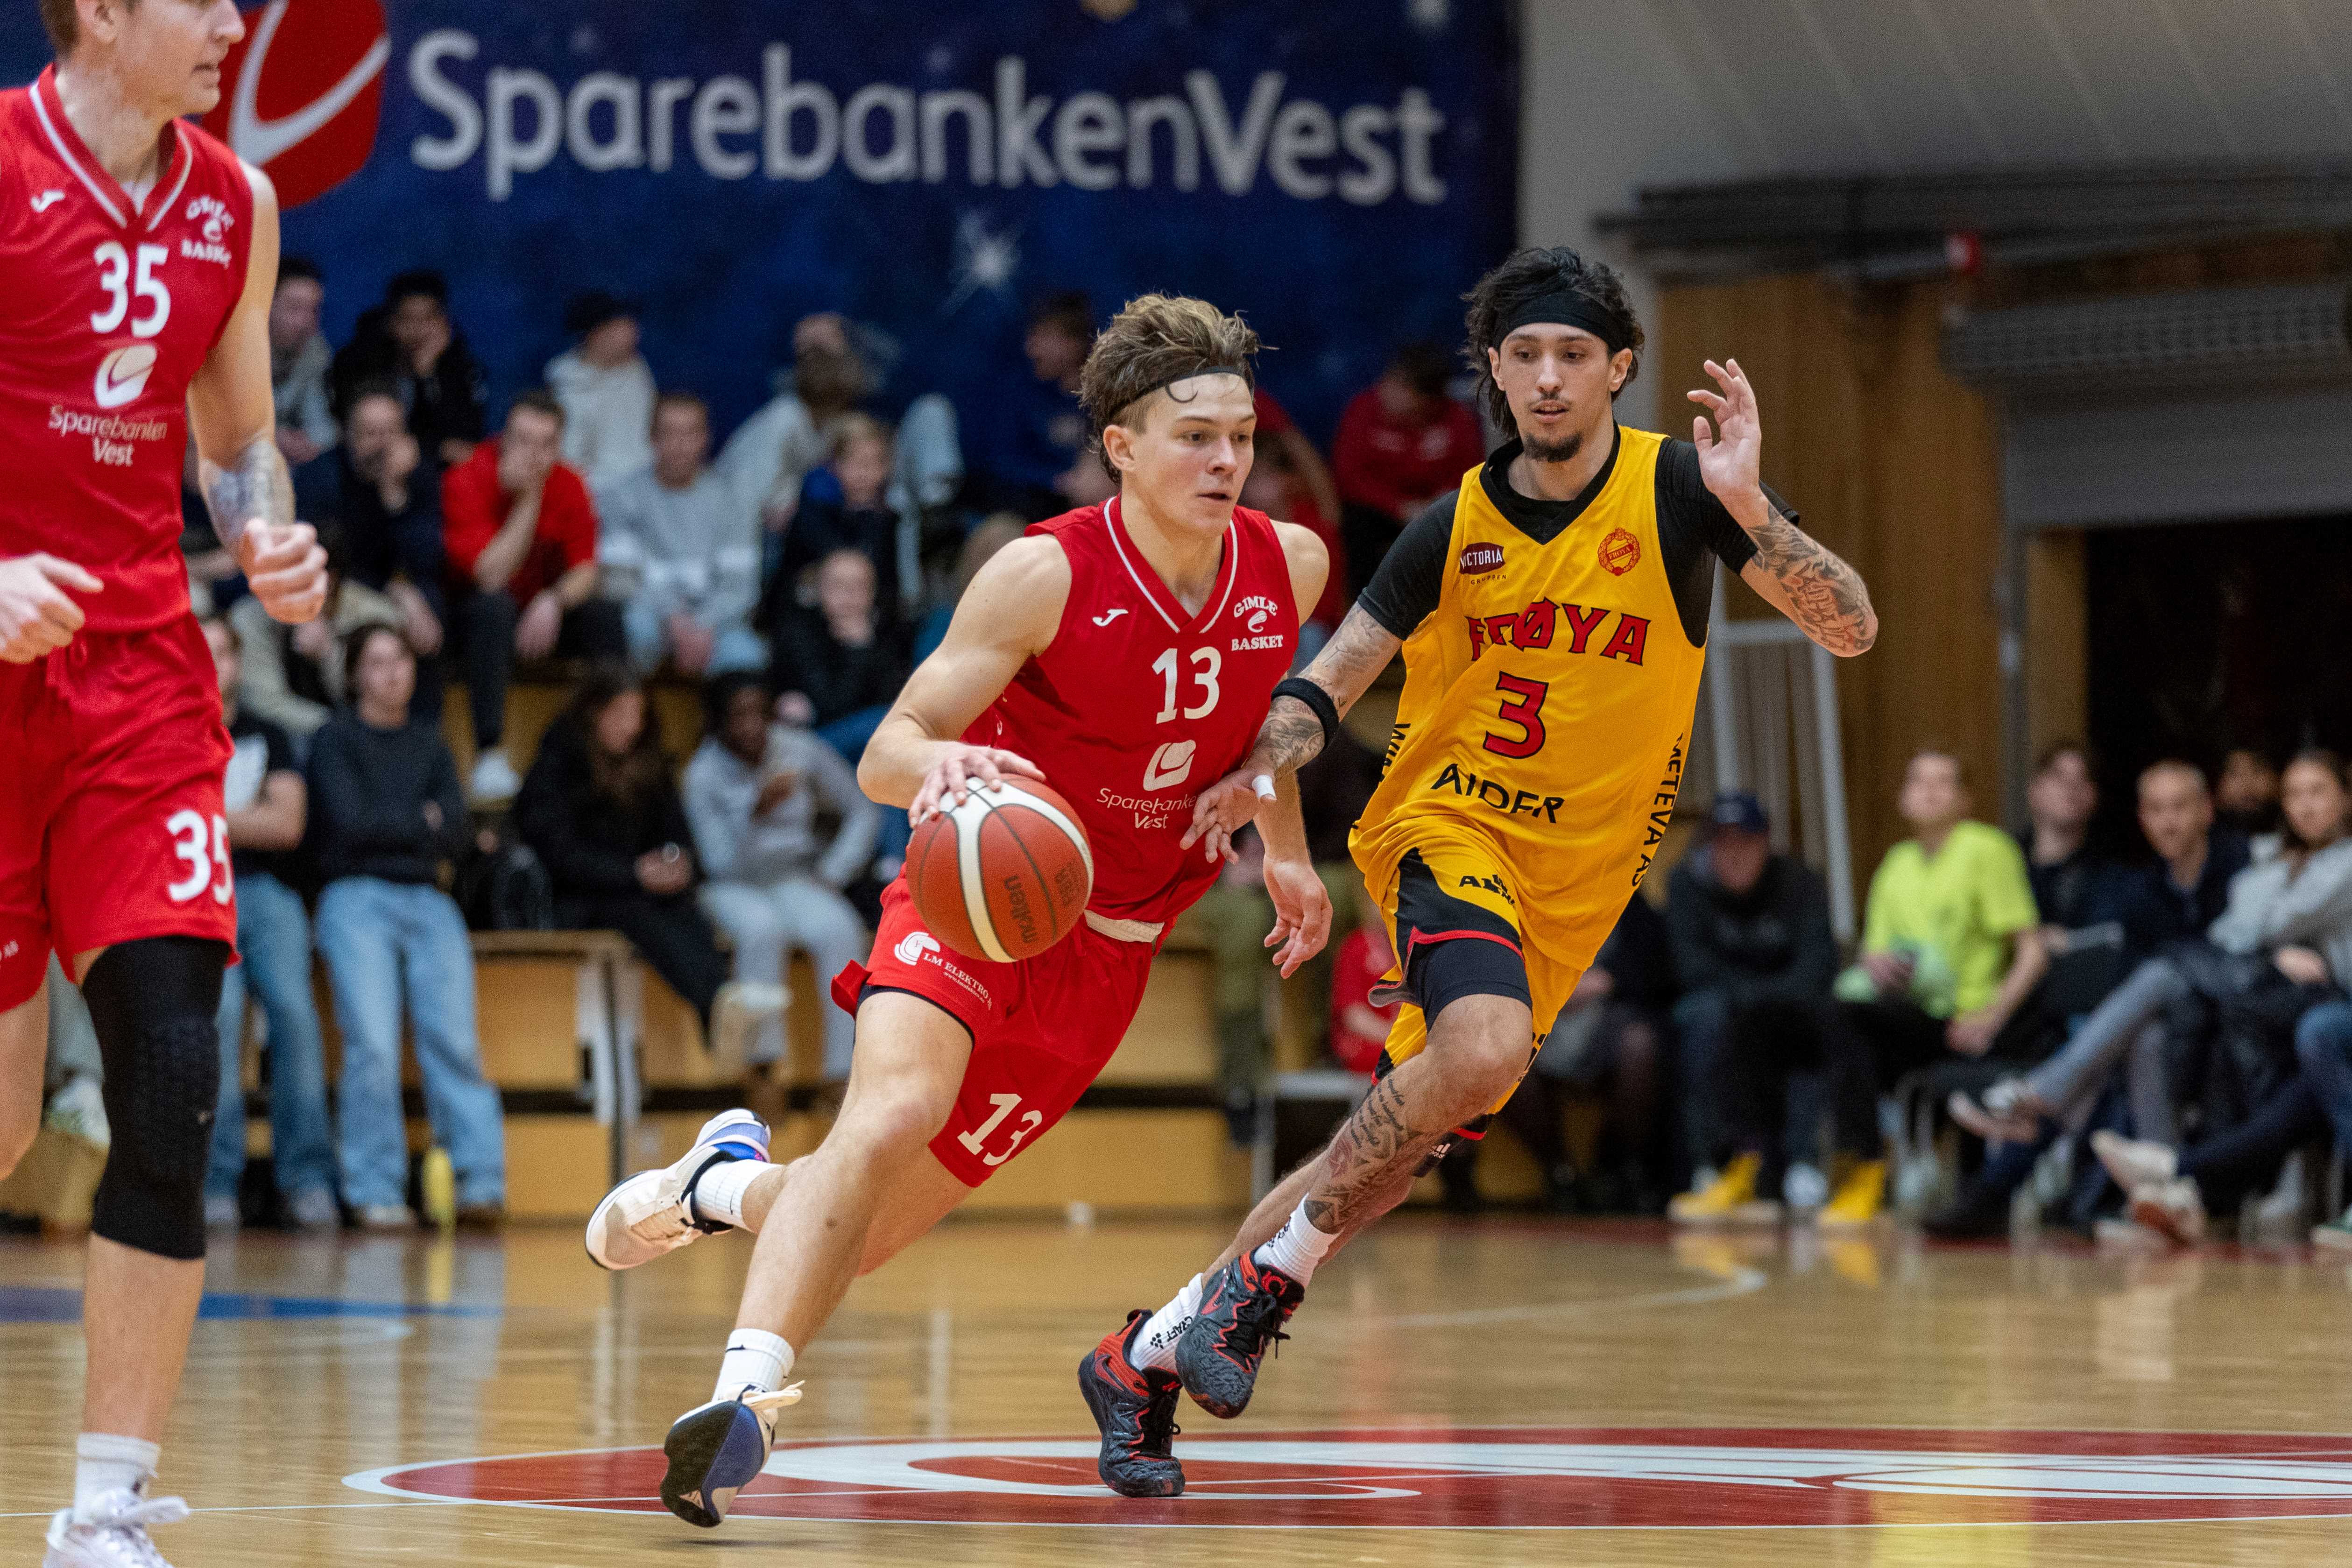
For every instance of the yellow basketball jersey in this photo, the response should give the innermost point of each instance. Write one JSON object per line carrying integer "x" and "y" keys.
{"x": 1547, "y": 711}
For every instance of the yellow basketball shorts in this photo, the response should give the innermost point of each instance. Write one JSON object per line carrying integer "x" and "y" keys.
{"x": 1453, "y": 916}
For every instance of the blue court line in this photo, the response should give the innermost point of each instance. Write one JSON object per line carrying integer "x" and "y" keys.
{"x": 42, "y": 1304}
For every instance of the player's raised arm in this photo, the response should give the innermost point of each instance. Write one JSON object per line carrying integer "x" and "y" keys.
{"x": 234, "y": 422}
{"x": 1797, "y": 576}
{"x": 1009, "y": 613}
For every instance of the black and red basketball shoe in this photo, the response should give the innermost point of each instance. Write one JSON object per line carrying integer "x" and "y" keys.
{"x": 1243, "y": 1309}
{"x": 1136, "y": 1409}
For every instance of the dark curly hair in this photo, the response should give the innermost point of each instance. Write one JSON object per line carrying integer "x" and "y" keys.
{"x": 1525, "y": 275}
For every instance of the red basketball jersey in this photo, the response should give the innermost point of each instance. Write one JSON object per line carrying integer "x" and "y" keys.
{"x": 111, "y": 308}
{"x": 1135, "y": 706}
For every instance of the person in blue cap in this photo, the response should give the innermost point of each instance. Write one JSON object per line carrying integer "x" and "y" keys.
{"x": 1756, "y": 960}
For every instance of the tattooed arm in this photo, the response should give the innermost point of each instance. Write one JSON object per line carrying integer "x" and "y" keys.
{"x": 1806, "y": 582}
{"x": 1794, "y": 573}
{"x": 233, "y": 419}
{"x": 1291, "y": 735}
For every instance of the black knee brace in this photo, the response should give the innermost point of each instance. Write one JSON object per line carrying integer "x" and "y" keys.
{"x": 153, "y": 1004}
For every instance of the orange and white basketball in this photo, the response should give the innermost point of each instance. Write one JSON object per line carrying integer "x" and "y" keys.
{"x": 1003, "y": 875}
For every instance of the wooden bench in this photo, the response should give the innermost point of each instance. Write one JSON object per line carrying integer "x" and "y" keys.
{"x": 601, "y": 1045}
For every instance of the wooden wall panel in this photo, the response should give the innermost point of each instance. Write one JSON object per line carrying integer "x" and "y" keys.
{"x": 1894, "y": 465}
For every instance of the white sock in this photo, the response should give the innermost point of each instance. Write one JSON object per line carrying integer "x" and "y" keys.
{"x": 1296, "y": 1247}
{"x": 756, "y": 1360}
{"x": 718, "y": 1195}
{"x": 104, "y": 1463}
{"x": 1154, "y": 1346}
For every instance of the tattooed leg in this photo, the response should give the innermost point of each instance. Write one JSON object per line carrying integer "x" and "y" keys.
{"x": 1476, "y": 1050}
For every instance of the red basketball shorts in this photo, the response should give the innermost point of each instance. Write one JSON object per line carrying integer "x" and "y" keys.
{"x": 111, "y": 760}
{"x": 1041, "y": 1028}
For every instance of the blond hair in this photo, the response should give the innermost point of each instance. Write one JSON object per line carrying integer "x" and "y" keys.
{"x": 1157, "y": 340}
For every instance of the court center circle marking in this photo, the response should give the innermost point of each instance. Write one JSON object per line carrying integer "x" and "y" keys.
{"x": 1477, "y": 1479}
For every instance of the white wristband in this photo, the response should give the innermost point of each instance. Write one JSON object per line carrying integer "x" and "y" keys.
{"x": 1263, "y": 785}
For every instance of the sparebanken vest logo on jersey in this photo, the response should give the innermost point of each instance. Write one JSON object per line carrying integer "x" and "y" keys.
{"x": 303, "y": 95}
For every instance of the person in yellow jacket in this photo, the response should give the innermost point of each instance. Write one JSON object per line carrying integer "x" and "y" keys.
{"x": 1552, "y": 612}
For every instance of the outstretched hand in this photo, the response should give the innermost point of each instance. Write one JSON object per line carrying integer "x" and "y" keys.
{"x": 1222, "y": 810}
{"x": 1302, "y": 912}
{"x": 1731, "y": 451}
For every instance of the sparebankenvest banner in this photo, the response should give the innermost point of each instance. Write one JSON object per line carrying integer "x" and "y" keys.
{"x": 1337, "y": 170}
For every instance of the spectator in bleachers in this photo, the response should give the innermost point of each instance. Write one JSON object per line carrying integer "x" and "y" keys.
{"x": 2288, "y": 921}
{"x": 840, "y": 662}
{"x": 293, "y": 676}
{"x": 2247, "y": 793}
{"x": 1755, "y": 957}
{"x": 381, "y": 498}
{"x": 680, "y": 555}
{"x": 300, "y": 360}
{"x": 846, "y": 505}
{"x": 1951, "y": 948}
{"x": 979, "y": 547}
{"x": 1278, "y": 436}
{"x": 755, "y": 791}
{"x": 1608, "y": 1041}
{"x": 2289, "y": 925}
{"x": 267, "y": 808}
{"x": 606, "y": 389}
{"x": 1237, "y": 913}
{"x": 385, "y": 811}
{"x": 2174, "y": 898}
{"x": 1039, "y": 463}
{"x": 601, "y": 809}
{"x": 1359, "y": 1026}
{"x": 772, "y": 454}
{"x": 410, "y": 341}
{"x": 2074, "y": 885}
{"x": 520, "y": 533}
{"x": 2178, "y": 895}
{"x": 2322, "y": 1041}
{"x": 1278, "y": 488}
{"x": 1403, "y": 442}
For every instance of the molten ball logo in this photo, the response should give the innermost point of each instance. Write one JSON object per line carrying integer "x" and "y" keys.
{"x": 301, "y": 95}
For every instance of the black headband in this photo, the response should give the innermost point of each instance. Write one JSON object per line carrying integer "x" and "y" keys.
{"x": 1240, "y": 369}
{"x": 1567, "y": 308}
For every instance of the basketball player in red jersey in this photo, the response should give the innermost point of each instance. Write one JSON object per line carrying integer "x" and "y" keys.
{"x": 1124, "y": 653}
{"x": 139, "y": 257}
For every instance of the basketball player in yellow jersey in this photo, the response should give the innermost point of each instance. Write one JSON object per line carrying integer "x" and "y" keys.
{"x": 1553, "y": 613}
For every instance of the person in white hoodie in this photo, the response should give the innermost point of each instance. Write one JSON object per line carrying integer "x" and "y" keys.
{"x": 753, "y": 792}
{"x": 606, "y": 389}
{"x": 680, "y": 552}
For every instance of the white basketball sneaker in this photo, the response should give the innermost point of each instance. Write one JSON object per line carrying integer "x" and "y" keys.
{"x": 653, "y": 1212}
{"x": 117, "y": 1538}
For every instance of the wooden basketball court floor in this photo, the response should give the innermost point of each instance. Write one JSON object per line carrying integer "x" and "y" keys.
{"x": 1503, "y": 1390}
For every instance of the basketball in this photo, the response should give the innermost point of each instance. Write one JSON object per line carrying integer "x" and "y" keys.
{"x": 1003, "y": 876}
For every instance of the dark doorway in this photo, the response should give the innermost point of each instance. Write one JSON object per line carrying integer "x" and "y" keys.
{"x": 2212, "y": 636}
